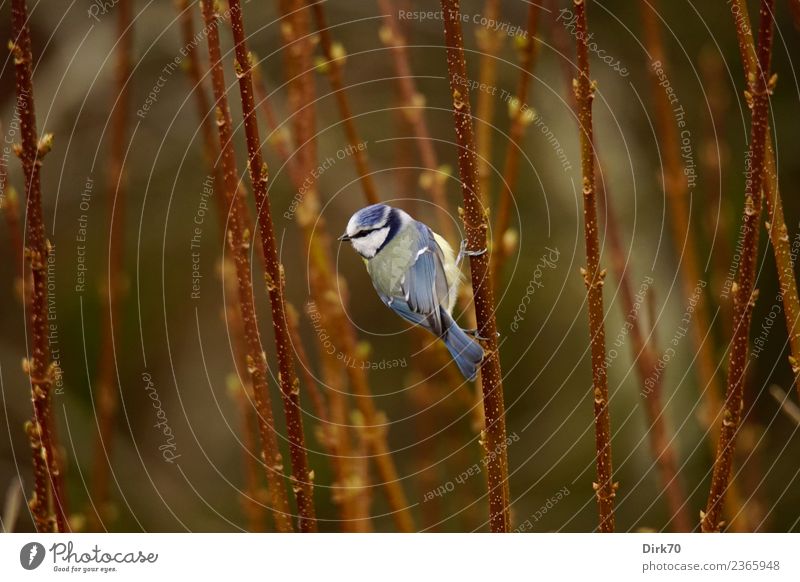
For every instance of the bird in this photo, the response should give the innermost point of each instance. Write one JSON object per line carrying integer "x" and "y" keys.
{"x": 416, "y": 274}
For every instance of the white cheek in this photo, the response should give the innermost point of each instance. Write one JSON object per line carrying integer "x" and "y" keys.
{"x": 368, "y": 245}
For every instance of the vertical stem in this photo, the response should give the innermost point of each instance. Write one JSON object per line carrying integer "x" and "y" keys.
{"x": 48, "y": 501}
{"x": 676, "y": 188}
{"x": 279, "y": 137}
{"x": 776, "y": 226}
{"x": 302, "y": 476}
{"x": 333, "y": 66}
{"x": 252, "y": 505}
{"x": 301, "y": 96}
{"x": 489, "y": 44}
{"x": 520, "y": 119}
{"x": 744, "y": 293}
{"x": 239, "y": 240}
{"x": 243, "y": 394}
{"x": 644, "y": 350}
{"x": 790, "y": 408}
{"x": 593, "y": 276}
{"x": 352, "y": 495}
{"x": 9, "y": 205}
{"x": 714, "y": 155}
{"x": 414, "y": 103}
{"x": 684, "y": 240}
{"x": 196, "y": 74}
{"x": 794, "y": 8}
{"x": 106, "y": 388}
{"x": 333, "y": 433}
{"x": 476, "y": 226}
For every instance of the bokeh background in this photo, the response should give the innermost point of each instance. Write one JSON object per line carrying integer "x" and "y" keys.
{"x": 184, "y": 343}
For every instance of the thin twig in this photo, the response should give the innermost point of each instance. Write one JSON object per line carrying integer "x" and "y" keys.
{"x": 776, "y": 225}
{"x": 676, "y": 187}
{"x": 12, "y": 503}
{"x": 302, "y": 476}
{"x": 490, "y": 42}
{"x": 106, "y": 385}
{"x": 790, "y": 408}
{"x": 349, "y": 486}
{"x": 414, "y": 108}
{"x": 279, "y": 135}
{"x": 684, "y": 239}
{"x": 352, "y": 496}
{"x": 301, "y": 96}
{"x": 334, "y": 61}
{"x": 644, "y": 350}
{"x": 794, "y": 8}
{"x": 243, "y": 390}
{"x": 593, "y": 277}
{"x": 9, "y": 205}
{"x": 520, "y": 119}
{"x": 318, "y": 402}
{"x": 476, "y": 226}
{"x": 744, "y": 292}
{"x": 196, "y": 74}
{"x": 714, "y": 157}
{"x": 239, "y": 240}
{"x": 353, "y": 499}
{"x": 48, "y": 503}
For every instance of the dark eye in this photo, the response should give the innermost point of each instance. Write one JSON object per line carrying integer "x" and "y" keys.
{"x": 361, "y": 233}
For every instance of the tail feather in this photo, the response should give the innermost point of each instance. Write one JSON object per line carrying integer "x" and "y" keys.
{"x": 466, "y": 353}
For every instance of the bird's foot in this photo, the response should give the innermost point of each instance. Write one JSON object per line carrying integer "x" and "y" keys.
{"x": 474, "y": 333}
{"x": 463, "y": 252}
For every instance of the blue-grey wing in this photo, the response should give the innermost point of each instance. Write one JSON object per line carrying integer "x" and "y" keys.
{"x": 401, "y": 308}
{"x": 424, "y": 286}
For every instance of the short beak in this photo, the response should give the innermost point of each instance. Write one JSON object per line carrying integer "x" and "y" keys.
{"x": 343, "y": 238}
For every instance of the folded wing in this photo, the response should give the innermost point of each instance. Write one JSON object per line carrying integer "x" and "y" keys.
{"x": 423, "y": 287}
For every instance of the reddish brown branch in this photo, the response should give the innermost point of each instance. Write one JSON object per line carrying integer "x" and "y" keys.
{"x": 106, "y": 386}
{"x": 520, "y": 119}
{"x": 593, "y": 276}
{"x": 489, "y": 43}
{"x": 714, "y": 157}
{"x": 744, "y": 292}
{"x": 776, "y": 225}
{"x": 252, "y": 501}
{"x": 241, "y": 389}
{"x": 333, "y": 66}
{"x": 349, "y": 490}
{"x": 279, "y": 138}
{"x": 476, "y": 226}
{"x": 302, "y": 476}
{"x": 10, "y": 208}
{"x": 195, "y": 72}
{"x": 48, "y": 503}
{"x": 791, "y": 409}
{"x": 9, "y": 205}
{"x": 644, "y": 350}
{"x": 414, "y": 103}
{"x": 794, "y": 8}
{"x": 323, "y": 280}
{"x": 684, "y": 239}
{"x": 239, "y": 240}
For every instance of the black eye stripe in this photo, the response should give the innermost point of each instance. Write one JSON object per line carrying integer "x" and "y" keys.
{"x": 361, "y": 233}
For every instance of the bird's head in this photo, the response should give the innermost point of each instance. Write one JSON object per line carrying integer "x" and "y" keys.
{"x": 372, "y": 228}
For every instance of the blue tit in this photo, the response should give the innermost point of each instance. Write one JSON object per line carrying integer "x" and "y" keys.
{"x": 416, "y": 275}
